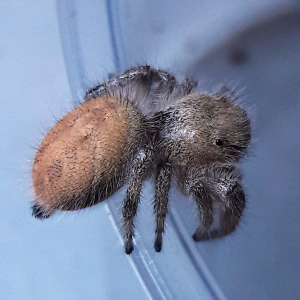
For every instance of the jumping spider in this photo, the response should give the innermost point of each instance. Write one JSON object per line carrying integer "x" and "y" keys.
{"x": 139, "y": 124}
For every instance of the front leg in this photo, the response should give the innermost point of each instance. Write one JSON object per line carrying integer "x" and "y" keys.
{"x": 140, "y": 168}
{"x": 233, "y": 201}
{"x": 163, "y": 181}
{"x": 221, "y": 183}
{"x": 195, "y": 186}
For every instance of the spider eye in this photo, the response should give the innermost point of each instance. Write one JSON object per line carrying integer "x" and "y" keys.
{"x": 219, "y": 142}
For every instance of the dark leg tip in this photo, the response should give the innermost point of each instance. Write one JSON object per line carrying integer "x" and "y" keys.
{"x": 199, "y": 236}
{"x": 38, "y": 212}
{"x": 128, "y": 247}
{"x": 157, "y": 246}
{"x": 196, "y": 238}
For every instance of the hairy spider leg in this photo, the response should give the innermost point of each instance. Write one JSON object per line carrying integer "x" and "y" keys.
{"x": 233, "y": 206}
{"x": 204, "y": 203}
{"x": 163, "y": 182}
{"x": 141, "y": 165}
{"x": 228, "y": 192}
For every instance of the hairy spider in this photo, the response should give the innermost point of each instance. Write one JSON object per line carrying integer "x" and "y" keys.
{"x": 139, "y": 124}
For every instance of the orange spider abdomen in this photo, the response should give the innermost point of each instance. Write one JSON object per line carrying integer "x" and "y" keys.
{"x": 79, "y": 154}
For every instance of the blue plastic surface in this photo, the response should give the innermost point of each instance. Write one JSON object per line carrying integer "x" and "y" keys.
{"x": 52, "y": 52}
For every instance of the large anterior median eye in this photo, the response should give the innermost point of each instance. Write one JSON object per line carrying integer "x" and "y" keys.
{"x": 219, "y": 142}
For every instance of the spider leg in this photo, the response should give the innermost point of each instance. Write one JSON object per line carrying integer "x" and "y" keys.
{"x": 165, "y": 90}
{"x": 222, "y": 183}
{"x": 163, "y": 180}
{"x": 204, "y": 202}
{"x": 186, "y": 87}
{"x": 39, "y": 212}
{"x": 233, "y": 202}
{"x": 141, "y": 165}
{"x": 120, "y": 83}
{"x": 151, "y": 90}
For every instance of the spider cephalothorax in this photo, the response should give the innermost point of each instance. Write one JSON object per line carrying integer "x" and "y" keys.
{"x": 139, "y": 124}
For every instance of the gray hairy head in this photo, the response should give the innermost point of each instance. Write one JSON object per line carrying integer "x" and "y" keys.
{"x": 205, "y": 128}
